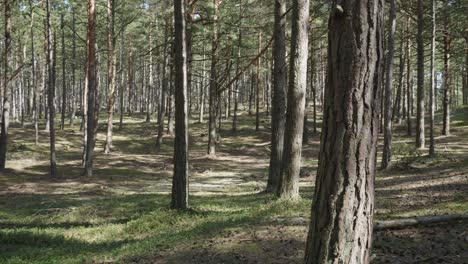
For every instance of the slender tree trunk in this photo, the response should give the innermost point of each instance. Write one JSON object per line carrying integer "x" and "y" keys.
{"x": 33, "y": 77}
{"x": 180, "y": 179}
{"x": 73, "y": 104}
{"x": 291, "y": 164}
{"x": 433, "y": 79}
{"x": 203, "y": 83}
{"x": 421, "y": 91}
{"x": 92, "y": 88}
{"x": 388, "y": 124}
{"x": 237, "y": 89}
{"x": 122, "y": 81}
{"x": 447, "y": 81}
{"x": 162, "y": 106}
{"x": 397, "y": 104}
{"x": 409, "y": 81}
{"x": 150, "y": 84}
{"x": 110, "y": 75}
{"x": 213, "y": 104}
{"x": 64, "y": 87}
{"x": 6, "y": 89}
{"x": 259, "y": 85}
{"x": 278, "y": 114}
{"x": 51, "y": 58}
{"x": 341, "y": 229}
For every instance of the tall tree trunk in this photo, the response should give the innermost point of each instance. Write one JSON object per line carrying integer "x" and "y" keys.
{"x": 162, "y": 105}
{"x": 150, "y": 83}
{"x": 433, "y": 79}
{"x": 122, "y": 80}
{"x": 6, "y": 88}
{"x": 73, "y": 81}
{"x": 181, "y": 170}
{"x": 64, "y": 87}
{"x": 343, "y": 204}
{"x": 92, "y": 88}
{"x": 447, "y": 81}
{"x": 388, "y": 124}
{"x": 33, "y": 77}
{"x": 421, "y": 91}
{"x": 278, "y": 113}
{"x": 397, "y": 104}
{"x": 291, "y": 164}
{"x": 259, "y": 85}
{"x": 409, "y": 81}
{"x": 51, "y": 58}
{"x": 110, "y": 75}
{"x": 203, "y": 82}
{"x": 213, "y": 102}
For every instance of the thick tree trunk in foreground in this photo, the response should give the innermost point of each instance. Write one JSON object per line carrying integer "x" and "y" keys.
{"x": 388, "y": 111}
{"x": 342, "y": 213}
{"x": 64, "y": 86}
{"x": 421, "y": 91}
{"x": 291, "y": 164}
{"x": 278, "y": 112}
{"x": 180, "y": 178}
{"x": 6, "y": 87}
{"x": 92, "y": 87}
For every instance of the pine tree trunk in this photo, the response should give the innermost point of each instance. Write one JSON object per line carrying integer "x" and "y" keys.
{"x": 258, "y": 86}
{"x": 447, "y": 81}
{"x": 162, "y": 105}
{"x": 433, "y": 79}
{"x": 289, "y": 181}
{"x": 73, "y": 104}
{"x": 342, "y": 211}
{"x": 64, "y": 87}
{"x": 92, "y": 88}
{"x": 420, "y": 137}
{"x": 213, "y": 102}
{"x": 180, "y": 178}
{"x": 110, "y": 75}
{"x": 278, "y": 113}
{"x": 388, "y": 124}
{"x": 409, "y": 81}
{"x": 6, "y": 89}
{"x": 51, "y": 58}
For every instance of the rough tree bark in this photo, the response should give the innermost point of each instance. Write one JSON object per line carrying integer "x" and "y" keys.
{"x": 288, "y": 187}
{"x": 388, "y": 111}
{"x": 341, "y": 226}
{"x": 50, "y": 60}
{"x": 6, "y": 87}
{"x": 278, "y": 110}
{"x": 92, "y": 88}
{"x": 180, "y": 178}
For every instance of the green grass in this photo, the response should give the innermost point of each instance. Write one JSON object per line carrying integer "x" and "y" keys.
{"x": 122, "y": 213}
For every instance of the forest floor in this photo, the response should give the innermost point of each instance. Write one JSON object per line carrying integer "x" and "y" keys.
{"x": 121, "y": 214}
